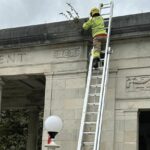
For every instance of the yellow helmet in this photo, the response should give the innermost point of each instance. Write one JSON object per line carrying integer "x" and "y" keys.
{"x": 94, "y": 11}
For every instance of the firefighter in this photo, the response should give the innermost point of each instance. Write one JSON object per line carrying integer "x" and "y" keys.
{"x": 99, "y": 34}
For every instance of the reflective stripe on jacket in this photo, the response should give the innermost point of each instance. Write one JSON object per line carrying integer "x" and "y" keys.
{"x": 96, "y": 24}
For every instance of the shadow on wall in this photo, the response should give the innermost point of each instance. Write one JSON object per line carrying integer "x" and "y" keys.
{"x": 14, "y": 129}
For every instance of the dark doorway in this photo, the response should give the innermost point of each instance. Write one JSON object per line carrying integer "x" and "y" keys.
{"x": 21, "y": 117}
{"x": 144, "y": 130}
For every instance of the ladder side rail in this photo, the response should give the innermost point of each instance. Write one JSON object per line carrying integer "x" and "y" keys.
{"x": 109, "y": 27}
{"x": 106, "y": 77}
{"x": 101, "y": 90}
{"x": 103, "y": 80}
{"x": 100, "y": 103}
{"x": 85, "y": 105}
{"x": 103, "y": 102}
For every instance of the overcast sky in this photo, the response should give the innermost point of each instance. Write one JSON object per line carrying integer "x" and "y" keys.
{"x": 15, "y": 13}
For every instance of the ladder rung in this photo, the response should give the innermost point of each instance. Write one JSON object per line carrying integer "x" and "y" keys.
{"x": 105, "y": 7}
{"x": 102, "y": 59}
{"x": 88, "y": 132}
{"x": 96, "y": 77}
{"x": 93, "y": 103}
{"x": 100, "y": 68}
{"x": 91, "y": 112}
{"x": 88, "y": 143}
{"x": 106, "y": 4}
{"x": 106, "y": 20}
{"x": 96, "y": 85}
{"x": 95, "y": 94}
{"x": 103, "y": 51}
{"x": 105, "y": 14}
{"x": 90, "y": 122}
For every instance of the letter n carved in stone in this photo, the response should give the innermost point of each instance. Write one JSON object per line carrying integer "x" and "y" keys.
{"x": 138, "y": 83}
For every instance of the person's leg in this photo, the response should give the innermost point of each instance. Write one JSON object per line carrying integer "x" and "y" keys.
{"x": 96, "y": 52}
{"x": 97, "y": 48}
{"x": 102, "y": 40}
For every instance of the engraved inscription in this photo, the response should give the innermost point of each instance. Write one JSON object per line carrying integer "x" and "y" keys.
{"x": 10, "y": 58}
{"x": 67, "y": 52}
{"x": 138, "y": 83}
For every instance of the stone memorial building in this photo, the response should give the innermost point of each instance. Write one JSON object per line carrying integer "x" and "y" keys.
{"x": 43, "y": 70}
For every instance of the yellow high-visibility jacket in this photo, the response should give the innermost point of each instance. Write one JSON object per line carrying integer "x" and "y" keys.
{"x": 96, "y": 24}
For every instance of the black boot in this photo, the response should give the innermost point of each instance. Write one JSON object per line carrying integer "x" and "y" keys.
{"x": 95, "y": 62}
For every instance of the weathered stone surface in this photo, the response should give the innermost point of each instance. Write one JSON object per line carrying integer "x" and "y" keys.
{"x": 122, "y": 27}
{"x": 58, "y": 51}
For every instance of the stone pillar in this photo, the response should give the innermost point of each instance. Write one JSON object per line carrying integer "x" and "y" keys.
{"x": 33, "y": 129}
{"x": 119, "y": 129}
{"x": 126, "y": 134}
{"x": 47, "y": 106}
{"x": 131, "y": 130}
{"x": 1, "y": 86}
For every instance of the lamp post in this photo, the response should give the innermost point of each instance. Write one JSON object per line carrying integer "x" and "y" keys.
{"x": 53, "y": 125}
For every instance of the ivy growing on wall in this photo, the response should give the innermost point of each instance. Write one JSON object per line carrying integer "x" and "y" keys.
{"x": 14, "y": 129}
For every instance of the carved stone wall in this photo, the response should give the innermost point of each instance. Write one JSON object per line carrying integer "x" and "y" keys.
{"x": 59, "y": 52}
{"x": 66, "y": 65}
{"x": 138, "y": 83}
{"x": 132, "y": 89}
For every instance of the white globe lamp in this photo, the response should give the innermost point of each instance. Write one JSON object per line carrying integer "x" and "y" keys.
{"x": 53, "y": 124}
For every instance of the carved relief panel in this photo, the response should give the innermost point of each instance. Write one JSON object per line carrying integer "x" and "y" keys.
{"x": 138, "y": 83}
{"x": 135, "y": 86}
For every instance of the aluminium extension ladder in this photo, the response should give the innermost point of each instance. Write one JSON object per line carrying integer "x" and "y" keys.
{"x": 92, "y": 114}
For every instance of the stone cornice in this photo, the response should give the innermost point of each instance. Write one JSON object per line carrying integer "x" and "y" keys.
{"x": 123, "y": 27}
{"x": 131, "y": 26}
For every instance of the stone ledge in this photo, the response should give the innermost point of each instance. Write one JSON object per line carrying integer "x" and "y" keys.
{"x": 123, "y": 27}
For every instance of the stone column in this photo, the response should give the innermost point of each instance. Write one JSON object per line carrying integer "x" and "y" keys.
{"x": 47, "y": 106}
{"x": 1, "y": 86}
{"x": 33, "y": 129}
{"x": 131, "y": 130}
{"x": 126, "y": 134}
{"x": 119, "y": 129}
